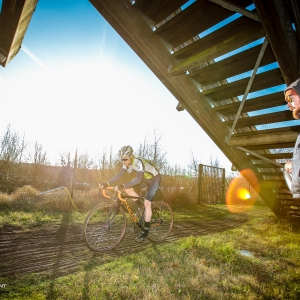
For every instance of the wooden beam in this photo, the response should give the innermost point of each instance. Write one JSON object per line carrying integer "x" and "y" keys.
{"x": 237, "y": 9}
{"x": 275, "y": 173}
{"x": 273, "y": 184}
{"x": 262, "y": 81}
{"x": 275, "y": 156}
{"x": 229, "y": 41}
{"x": 267, "y": 101}
{"x": 276, "y": 20}
{"x": 270, "y": 131}
{"x": 223, "y": 33}
{"x": 249, "y": 86}
{"x": 291, "y": 202}
{"x": 158, "y": 10}
{"x": 233, "y": 65}
{"x": 263, "y": 139}
{"x": 198, "y": 17}
{"x": 281, "y": 116}
{"x": 272, "y": 146}
{"x": 260, "y": 156}
{"x": 15, "y": 18}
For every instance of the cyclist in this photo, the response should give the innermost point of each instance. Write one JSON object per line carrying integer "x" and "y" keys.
{"x": 146, "y": 175}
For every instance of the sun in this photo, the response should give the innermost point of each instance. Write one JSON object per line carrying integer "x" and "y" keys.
{"x": 242, "y": 192}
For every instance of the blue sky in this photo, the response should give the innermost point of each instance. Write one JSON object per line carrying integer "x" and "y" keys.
{"x": 76, "y": 84}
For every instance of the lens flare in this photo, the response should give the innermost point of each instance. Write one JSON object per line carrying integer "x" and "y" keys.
{"x": 242, "y": 192}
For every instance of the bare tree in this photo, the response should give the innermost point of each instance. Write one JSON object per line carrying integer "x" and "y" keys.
{"x": 193, "y": 165}
{"x": 38, "y": 161}
{"x": 12, "y": 146}
{"x": 154, "y": 151}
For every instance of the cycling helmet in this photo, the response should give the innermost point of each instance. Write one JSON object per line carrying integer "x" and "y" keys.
{"x": 125, "y": 151}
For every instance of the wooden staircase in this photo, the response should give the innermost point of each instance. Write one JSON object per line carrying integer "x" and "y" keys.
{"x": 229, "y": 77}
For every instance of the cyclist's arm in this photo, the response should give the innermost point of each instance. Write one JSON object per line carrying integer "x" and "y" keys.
{"x": 136, "y": 181}
{"x": 117, "y": 177}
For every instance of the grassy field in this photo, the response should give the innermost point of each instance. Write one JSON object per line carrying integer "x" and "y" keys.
{"x": 257, "y": 260}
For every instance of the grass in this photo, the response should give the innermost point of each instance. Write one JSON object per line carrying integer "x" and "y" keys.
{"x": 203, "y": 267}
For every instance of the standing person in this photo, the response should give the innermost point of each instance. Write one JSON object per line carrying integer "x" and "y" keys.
{"x": 292, "y": 97}
{"x": 146, "y": 175}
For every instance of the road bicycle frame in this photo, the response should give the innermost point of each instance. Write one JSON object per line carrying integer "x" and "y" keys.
{"x": 125, "y": 202}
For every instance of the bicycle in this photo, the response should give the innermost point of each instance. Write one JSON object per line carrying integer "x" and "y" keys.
{"x": 105, "y": 225}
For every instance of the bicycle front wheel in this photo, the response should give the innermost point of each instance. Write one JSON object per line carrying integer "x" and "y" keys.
{"x": 161, "y": 222}
{"x": 104, "y": 227}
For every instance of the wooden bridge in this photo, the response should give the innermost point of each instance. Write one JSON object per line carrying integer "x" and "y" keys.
{"x": 226, "y": 62}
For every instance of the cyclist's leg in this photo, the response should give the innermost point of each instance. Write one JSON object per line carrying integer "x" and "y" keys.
{"x": 131, "y": 192}
{"x": 153, "y": 185}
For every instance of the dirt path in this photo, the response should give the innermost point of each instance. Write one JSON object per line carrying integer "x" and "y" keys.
{"x": 59, "y": 250}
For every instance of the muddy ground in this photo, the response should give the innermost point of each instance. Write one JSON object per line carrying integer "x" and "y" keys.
{"x": 59, "y": 249}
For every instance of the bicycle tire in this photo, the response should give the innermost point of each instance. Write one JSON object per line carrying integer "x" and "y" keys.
{"x": 104, "y": 227}
{"x": 161, "y": 222}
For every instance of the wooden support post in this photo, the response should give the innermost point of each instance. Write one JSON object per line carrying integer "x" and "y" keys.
{"x": 200, "y": 180}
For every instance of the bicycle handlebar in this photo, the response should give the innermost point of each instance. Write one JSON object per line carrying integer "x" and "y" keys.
{"x": 112, "y": 188}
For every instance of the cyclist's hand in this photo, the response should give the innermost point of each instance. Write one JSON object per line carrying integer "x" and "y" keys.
{"x": 103, "y": 185}
{"x": 119, "y": 188}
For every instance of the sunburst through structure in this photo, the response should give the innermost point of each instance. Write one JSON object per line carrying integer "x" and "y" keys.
{"x": 242, "y": 192}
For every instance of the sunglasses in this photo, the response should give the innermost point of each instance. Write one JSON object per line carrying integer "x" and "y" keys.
{"x": 124, "y": 159}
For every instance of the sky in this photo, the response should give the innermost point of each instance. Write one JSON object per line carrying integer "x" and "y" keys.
{"x": 75, "y": 84}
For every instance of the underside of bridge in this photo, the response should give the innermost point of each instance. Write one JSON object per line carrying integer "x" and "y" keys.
{"x": 227, "y": 63}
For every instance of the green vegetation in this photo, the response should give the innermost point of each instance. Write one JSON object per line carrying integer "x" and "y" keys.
{"x": 210, "y": 266}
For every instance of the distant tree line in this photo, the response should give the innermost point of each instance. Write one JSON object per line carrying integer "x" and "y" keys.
{"x": 23, "y": 164}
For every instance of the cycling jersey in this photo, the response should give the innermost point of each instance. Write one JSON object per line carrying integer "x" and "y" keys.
{"x": 146, "y": 175}
{"x": 144, "y": 165}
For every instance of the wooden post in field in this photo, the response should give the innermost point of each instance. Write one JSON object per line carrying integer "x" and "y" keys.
{"x": 74, "y": 174}
{"x": 200, "y": 172}
{"x": 223, "y": 186}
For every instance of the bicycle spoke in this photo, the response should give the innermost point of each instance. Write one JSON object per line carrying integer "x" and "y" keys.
{"x": 162, "y": 221}
{"x": 104, "y": 228}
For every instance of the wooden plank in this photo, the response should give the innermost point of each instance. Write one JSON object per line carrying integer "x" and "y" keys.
{"x": 14, "y": 21}
{"x": 237, "y": 88}
{"x": 274, "y": 156}
{"x": 198, "y": 17}
{"x": 268, "y": 166}
{"x": 223, "y": 34}
{"x": 263, "y": 139}
{"x": 275, "y": 173}
{"x": 267, "y": 101}
{"x": 262, "y": 119}
{"x": 291, "y": 202}
{"x": 272, "y": 184}
{"x": 277, "y": 23}
{"x": 237, "y": 9}
{"x": 272, "y": 146}
{"x": 233, "y": 65}
{"x": 270, "y": 131}
{"x": 158, "y": 10}
{"x": 223, "y": 44}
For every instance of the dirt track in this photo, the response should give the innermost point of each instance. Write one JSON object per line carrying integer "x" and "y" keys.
{"x": 60, "y": 250}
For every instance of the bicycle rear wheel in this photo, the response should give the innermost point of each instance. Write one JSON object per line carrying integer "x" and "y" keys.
{"x": 104, "y": 227}
{"x": 161, "y": 221}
